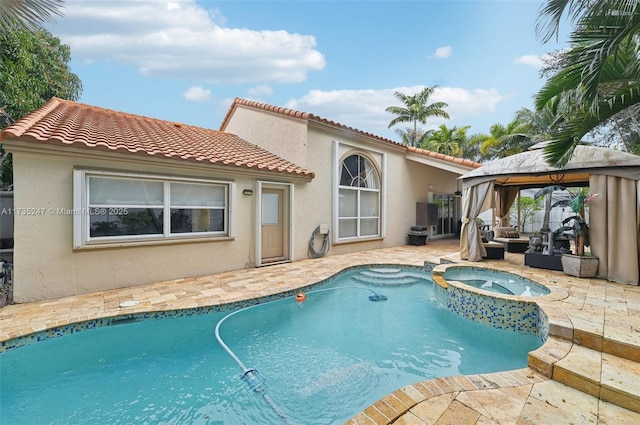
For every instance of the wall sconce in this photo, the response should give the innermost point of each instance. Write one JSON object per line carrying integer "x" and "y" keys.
{"x": 247, "y": 192}
{"x": 430, "y": 188}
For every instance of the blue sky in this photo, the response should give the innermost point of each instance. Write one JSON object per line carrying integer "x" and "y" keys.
{"x": 185, "y": 60}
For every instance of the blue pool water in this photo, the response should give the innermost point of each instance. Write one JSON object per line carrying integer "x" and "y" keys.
{"x": 496, "y": 281}
{"x": 324, "y": 359}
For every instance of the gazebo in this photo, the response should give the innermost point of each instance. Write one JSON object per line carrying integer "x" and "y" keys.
{"x": 614, "y": 217}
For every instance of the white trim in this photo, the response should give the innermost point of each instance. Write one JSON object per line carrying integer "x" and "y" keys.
{"x": 258, "y": 223}
{"x": 291, "y": 220}
{"x": 231, "y": 209}
{"x": 439, "y": 164}
{"x": 81, "y": 223}
{"x": 289, "y": 189}
{"x": 382, "y": 190}
{"x": 383, "y": 196}
{"x": 79, "y": 195}
{"x": 336, "y": 190}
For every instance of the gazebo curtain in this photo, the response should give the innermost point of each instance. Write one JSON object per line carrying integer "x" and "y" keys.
{"x": 506, "y": 196}
{"x": 475, "y": 200}
{"x": 614, "y": 226}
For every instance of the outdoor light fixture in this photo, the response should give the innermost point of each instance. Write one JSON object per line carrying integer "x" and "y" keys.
{"x": 247, "y": 192}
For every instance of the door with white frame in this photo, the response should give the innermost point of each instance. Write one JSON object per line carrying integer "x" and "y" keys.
{"x": 274, "y": 219}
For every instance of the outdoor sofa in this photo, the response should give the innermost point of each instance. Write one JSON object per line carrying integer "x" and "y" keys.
{"x": 510, "y": 238}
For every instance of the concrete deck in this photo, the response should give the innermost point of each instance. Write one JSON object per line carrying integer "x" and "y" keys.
{"x": 587, "y": 373}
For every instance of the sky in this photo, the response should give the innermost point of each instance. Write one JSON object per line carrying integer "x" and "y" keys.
{"x": 186, "y": 60}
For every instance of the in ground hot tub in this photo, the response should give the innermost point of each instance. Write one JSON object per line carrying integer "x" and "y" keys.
{"x": 496, "y": 281}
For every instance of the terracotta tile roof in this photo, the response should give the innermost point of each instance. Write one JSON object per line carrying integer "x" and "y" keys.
{"x": 449, "y": 158}
{"x": 311, "y": 117}
{"x": 65, "y": 123}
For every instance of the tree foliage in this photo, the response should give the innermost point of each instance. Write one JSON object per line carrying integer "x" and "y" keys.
{"x": 505, "y": 140}
{"x": 598, "y": 76}
{"x": 411, "y": 137}
{"x": 445, "y": 140}
{"x": 33, "y": 69}
{"x": 416, "y": 109}
{"x": 528, "y": 208}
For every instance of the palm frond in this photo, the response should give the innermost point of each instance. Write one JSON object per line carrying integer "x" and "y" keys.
{"x": 28, "y": 14}
{"x": 600, "y": 37}
{"x": 564, "y": 140}
{"x": 550, "y": 15}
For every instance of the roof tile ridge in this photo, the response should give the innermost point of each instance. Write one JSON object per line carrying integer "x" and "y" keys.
{"x": 449, "y": 158}
{"x": 227, "y": 116}
{"x": 332, "y": 123}
{"x": 273, "y": 108}
{"x": 265, "y": 107}
{"x": 23, "y": 125}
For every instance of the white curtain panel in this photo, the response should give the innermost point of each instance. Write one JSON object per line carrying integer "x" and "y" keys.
{"x": 475, "y": 199}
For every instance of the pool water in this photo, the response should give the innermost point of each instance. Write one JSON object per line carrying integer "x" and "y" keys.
{"x": 324, "y": 359}
{"x": 496, "y": 281}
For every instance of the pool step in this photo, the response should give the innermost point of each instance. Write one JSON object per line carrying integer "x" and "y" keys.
{"x": 388, "y": 276}
{"x": 606, "y": 376}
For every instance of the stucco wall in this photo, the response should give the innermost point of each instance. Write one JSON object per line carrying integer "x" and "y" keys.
{"x": 284, "y": 136}
{"x": 46, "y": 266}
{"x": 407, "y": 183}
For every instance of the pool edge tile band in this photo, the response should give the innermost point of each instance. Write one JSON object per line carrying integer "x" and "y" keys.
{"x": 496, "y": 311}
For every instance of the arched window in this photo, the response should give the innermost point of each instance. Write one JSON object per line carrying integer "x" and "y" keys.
{"x": 359, "y": 198}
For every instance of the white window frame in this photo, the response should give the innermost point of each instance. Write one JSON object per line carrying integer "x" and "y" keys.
{"x": 82, "y": 222}
{"x": 340, "y": 152}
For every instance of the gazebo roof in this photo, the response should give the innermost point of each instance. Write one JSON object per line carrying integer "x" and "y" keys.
{"x": 530, "y": 168}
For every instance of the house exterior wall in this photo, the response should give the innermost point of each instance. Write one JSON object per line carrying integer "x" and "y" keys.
{"x": 283, "y": 136}
{"x": 45, "y": 263}
{"x": 406, "y": 181}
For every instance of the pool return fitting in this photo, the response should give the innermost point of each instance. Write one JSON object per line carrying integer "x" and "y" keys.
{"x": 254, "y": 379}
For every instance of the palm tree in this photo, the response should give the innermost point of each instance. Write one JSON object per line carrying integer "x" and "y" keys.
{"x": 599, "y": 73}
{"x": 410, "y": 137}
{"x": 28, "y": 14}
{"x": 507, "y": 140}
{"x": 540, "y": 122}
{"x": 448, "y": 141}
{"x": 416, "y": 110}
{"x": 471, "y": 147}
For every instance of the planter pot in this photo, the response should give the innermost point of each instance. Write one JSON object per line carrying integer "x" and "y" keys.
{"x": 580, "y": 266}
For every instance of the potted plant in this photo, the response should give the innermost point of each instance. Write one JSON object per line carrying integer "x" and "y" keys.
{"x": 575, "y": 226}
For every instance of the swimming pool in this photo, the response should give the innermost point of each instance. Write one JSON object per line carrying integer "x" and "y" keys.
{"x": 324, "y": 359}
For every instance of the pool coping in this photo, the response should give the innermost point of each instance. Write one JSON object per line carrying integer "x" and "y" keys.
{"x": 137, "y": 311}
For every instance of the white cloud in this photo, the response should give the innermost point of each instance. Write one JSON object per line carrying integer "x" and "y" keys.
{"x": 197, "y": 94}
{"x": 261, "y": 90}
{"x": 443, "y": 52}
{"x": 531, "y": 60}
{"x": 365, "y": 109}
{"x": 182, "y": 40}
